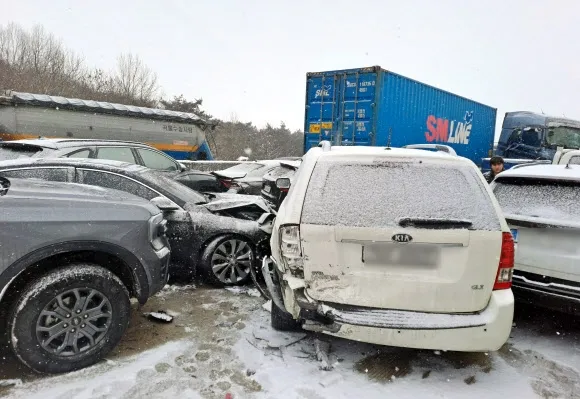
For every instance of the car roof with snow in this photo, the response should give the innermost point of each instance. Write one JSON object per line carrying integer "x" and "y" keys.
{"x": 338, "y": 151}
{"x": 73, "y": 162}
{"x": 53, "y": 190}
{"x": 559, "y": 172}
{"x": 56, "y": 144}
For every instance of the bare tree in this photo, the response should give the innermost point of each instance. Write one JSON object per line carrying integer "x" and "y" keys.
{"x": 134, "y": 79}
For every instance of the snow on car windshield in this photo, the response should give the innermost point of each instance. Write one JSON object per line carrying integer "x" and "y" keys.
{"x": 281, "y": 170}
{"x": 548, "y": 200}
{"x": 380, "y": 194}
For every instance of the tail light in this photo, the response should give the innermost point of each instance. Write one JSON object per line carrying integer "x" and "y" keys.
{"x": 291, "y": 250}
{"x": 226, "y": 183}
{"x": 505, "y": 270}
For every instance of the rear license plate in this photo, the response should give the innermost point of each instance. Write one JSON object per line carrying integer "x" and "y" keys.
{"x": 404, "y": 255}
{"x": 515, "y": 235}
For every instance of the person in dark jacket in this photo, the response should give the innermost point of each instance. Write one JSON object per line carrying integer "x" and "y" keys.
{"x": 497, "y": 166}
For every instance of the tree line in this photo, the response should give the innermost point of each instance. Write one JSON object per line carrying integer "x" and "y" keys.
{"x": 36, "y": 61}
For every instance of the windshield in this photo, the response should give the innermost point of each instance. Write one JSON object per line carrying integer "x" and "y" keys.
{"x": 563, "y": 136}
{"x": 8, "y": 152}
{"x": 282, "y": 170}
{"x": 387, "y": 194}
{"x": 539, "y": 199}
{"x": 175, "y": 188}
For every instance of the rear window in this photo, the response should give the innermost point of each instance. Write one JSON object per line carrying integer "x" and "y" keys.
{"x": 383, "y": 194}
{"x": 25, "y": 151}
{"x": 244, "y": 167}
{"x": 539, "y": 198}
{"x": 279, "y": 172}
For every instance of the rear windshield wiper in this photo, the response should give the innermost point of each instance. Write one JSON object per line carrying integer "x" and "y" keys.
{"x": 435, "y": 223}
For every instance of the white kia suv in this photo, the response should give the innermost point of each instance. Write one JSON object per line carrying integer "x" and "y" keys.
{"x": 541, "y": 205}
{"x": 393, "y": 246}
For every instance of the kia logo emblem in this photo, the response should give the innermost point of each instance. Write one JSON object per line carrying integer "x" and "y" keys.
{"x": 402, "y": 238}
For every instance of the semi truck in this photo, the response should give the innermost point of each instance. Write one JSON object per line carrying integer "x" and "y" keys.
{"x": 179, "y": 134}
{"x": 527, "y": 137}
{"x": 375, "y": 107}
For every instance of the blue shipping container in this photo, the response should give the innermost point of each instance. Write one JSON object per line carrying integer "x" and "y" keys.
{"x": 372, "y": 106}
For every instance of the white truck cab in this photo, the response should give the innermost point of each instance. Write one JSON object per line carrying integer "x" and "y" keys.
{"x": 394, "y": 246}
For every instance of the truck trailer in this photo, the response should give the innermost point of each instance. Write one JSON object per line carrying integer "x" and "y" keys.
{"x": 376, "y": 107}
{"x": 179, "y": 134}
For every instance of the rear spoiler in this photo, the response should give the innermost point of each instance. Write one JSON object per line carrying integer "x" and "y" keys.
{"x": 439, "y": 147}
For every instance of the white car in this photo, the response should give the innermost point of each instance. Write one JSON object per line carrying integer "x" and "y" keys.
{"x": 542, "y": 206}
{"x": 399, "y": 247}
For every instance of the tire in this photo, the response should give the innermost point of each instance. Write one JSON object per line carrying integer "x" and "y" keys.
{"x": 281, "y": 320}
{"x": 227, "y": 261}
{"x": 75, "y": 296}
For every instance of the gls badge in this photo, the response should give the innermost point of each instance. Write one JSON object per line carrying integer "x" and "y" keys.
{"x": 402, "y": 238}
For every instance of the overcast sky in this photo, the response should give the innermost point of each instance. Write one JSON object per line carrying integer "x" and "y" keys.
{"x": 249, "y": 59}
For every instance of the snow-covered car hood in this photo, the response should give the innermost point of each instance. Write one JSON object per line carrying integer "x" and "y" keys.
{"x": 223, "y": 201}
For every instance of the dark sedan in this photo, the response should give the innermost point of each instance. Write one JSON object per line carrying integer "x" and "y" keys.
{"x": 246, "y": 178}
{"x": 218, "y": 238}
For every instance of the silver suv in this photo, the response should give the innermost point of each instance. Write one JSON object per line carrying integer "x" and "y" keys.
{"x": 71, "y": 257}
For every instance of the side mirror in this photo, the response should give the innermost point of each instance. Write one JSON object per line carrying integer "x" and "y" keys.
{"x": 283, "y": 183}
{"x": 164, "y": 204}
{"x": 182, "y": 167}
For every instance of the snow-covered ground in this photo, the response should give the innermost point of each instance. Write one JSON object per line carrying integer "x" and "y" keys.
{"x": 220, "y": 345}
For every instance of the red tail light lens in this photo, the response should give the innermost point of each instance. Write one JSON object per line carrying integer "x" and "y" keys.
{"x": 226, "y": 183}
{"x": 505, "y": 269}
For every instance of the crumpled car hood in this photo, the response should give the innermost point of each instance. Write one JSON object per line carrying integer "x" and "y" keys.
{"x": 223, "y": 201}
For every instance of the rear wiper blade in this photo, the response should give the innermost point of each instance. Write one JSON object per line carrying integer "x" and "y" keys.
{"x": 434, "y": 223}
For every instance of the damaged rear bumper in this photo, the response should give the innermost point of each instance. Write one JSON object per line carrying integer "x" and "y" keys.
{"x": 487, "y": 330}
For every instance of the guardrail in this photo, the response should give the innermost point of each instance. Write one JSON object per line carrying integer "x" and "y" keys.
{"x": 211, "y": 166}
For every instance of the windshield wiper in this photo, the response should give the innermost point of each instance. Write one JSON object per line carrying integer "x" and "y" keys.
{"x": 435, "y": 223}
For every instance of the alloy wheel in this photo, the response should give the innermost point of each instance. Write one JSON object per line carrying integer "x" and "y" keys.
{"x": 231, "y": 261}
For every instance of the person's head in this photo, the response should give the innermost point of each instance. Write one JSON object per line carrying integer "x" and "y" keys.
{"x": 496, "y": 164}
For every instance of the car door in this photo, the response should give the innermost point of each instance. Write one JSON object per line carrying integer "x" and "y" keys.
{"x": 179, "y": 225}
{"x": 155, "y": 160}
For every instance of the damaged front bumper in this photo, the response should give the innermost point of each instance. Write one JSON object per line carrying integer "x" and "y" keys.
{"x": 487, "y": 330}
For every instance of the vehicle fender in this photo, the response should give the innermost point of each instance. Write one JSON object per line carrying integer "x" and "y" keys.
{"x": 138, "y": 273}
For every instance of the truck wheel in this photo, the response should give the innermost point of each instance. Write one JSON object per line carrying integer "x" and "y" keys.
{"x": 227, "y": 261}
{"x": 281, "y": 320}
{"x": 69, "y": 318}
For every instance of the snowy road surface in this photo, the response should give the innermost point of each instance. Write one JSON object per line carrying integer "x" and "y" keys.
{"x": 220, "y": 343}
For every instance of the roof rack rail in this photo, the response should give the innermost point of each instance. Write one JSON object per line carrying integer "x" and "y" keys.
{"x": 325, "y": 145}
{"x": 536, "y": 162}
{"x": 439, "y": 147}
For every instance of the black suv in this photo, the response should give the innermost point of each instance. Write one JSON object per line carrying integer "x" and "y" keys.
{"x": 277, "y": 182}
{"x": 71, "y": 257}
